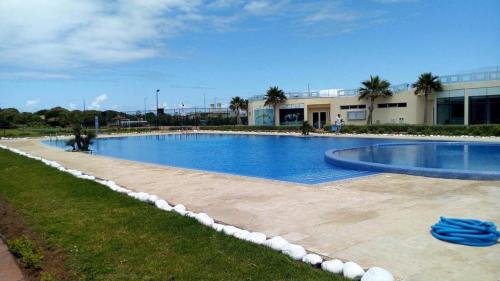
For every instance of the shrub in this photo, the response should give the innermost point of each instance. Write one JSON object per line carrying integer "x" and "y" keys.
{"x": 447, "y": 130}
{"x": 25, "y": 250}
{"x": 306, "y": 128}
{"x": 47, "y": 276}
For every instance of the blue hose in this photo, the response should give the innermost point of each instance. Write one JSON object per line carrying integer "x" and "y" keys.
{"x": 466, "y": 232}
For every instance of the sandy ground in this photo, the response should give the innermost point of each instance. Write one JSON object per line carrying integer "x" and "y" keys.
{"x": 380, "y": 220}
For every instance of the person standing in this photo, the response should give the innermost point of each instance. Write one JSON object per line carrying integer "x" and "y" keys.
{"x": 338, "y": 123}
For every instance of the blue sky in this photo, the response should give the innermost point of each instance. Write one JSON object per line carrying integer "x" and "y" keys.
{"x": 115, "y": 54}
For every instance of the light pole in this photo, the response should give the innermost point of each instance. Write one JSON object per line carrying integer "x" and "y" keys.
{"x": 157, "y": 113}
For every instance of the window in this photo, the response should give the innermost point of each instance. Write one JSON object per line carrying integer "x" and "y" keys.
{"x": 450, "y": 110}
{"x": 353, "y": 106}
{"x": 386, "y": 105}
{"x": 291, "y": 116}
{"x": 356, "y": 115}
{"x": 484, "y": 109}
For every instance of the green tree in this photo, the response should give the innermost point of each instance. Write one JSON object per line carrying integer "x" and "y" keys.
{"x": 9, "y": 117}
{"x": 237, "y": 105}
{"x": 244, "y": 107}
{"x": 426, "y": 85}
{"x": 58, "y": 116}
{"x": 82, "y": 140}
{"x": 371, "y": 90}
{"x": 274, "y": 97}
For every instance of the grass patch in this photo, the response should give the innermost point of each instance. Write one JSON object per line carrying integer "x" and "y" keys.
{"x": 110, "y": 236}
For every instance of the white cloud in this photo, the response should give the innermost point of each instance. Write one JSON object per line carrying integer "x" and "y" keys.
{"x": 62, "y": 34}
{"x": 338, "y": 16}
{"x": 65, "y": 33}
{"x": 96, "y": 103}
{"x": 34, "y": 75}
{"x": 263, "y": 7}
{"x": 72, "y": 106}
{"x": 31, "y": 103}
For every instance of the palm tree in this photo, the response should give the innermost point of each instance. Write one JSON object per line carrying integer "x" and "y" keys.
{"x": 426, "y": 85}
{"x": 236, "y": 105}
{"x": 274, "y": 97}
{"x": 244, "y": 106}
{"x": 373, "y": 89}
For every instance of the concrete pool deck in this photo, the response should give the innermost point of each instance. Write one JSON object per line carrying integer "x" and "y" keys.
{"x": 380, "y": 220}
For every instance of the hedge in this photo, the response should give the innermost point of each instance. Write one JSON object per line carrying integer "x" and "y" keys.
{"x": 446, "y": 130}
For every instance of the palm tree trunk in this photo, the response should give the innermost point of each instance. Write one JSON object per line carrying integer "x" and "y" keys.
{"x": 425, "y": 108}
{"x": 276, "y": 120}
{"x": 370, "y": 113}
{"x": 238, "y": 118}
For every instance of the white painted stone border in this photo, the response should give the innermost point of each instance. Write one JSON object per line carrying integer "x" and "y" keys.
{"x": 349, "y": 269}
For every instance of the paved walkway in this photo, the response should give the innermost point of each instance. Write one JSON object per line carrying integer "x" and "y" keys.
{"x": 380, "y": 220}
{"x": 9, "y": 269}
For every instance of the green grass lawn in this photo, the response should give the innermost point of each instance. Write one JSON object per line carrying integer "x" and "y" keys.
{"x": 110, "y": 236}
{"x": 34, "y": 132}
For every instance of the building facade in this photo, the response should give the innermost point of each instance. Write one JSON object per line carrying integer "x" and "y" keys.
{"x": 472, "y": 98}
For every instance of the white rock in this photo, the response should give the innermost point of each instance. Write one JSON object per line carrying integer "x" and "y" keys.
{"x": 256, "y": 237}
{"x": 74, "y": 172}
{"x": 204, "y": 219}
{"x": 190, "y": 214}
{"x": 353, "y": 271}
{"x": 141, "y": 196}
{"x": 180, "y": 209}
{"x": 230, "y": 230}
{"x": 296, "y": 252}
{"x": 86, "y": 177}
{"x": 163, "y": 205}
{"x": 276, "y": 243}
{"x": 152, "y": 199}
{"x": 218, "y": 227}
{"x": 312, "y": 259}
{"x": 377, "y": 274}
{"x": 334, "y": 266}
{"x": 241, "y": 234}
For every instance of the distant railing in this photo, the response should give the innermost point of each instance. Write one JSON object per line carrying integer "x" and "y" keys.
{"x": 395, "y": 89}
{"x": 447, "y": 79}
{"x": 296, "y": 95}
{"x": 470, "y": 77}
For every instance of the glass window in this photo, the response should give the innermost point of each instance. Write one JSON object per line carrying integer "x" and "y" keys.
{"x": 382, "y": 105}
{"x": 493, "y": 91}
{"x": 477, "y": 92}
{"x": 291, "y": 116}
{"x": 484, "y": 109}
{"x": 344, "y": 107}
{"x": 402, "y": 104}
{"x": 264, "y": 116}
{"x": 356, "y": 115}
{"x": 450, "y": 110}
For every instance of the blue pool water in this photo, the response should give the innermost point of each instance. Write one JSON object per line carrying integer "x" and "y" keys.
{"x": 293, "y": 159}
{"x": 463, "y": 160}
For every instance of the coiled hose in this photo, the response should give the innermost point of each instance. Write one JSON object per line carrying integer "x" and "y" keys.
{"x": 466, "y": 232}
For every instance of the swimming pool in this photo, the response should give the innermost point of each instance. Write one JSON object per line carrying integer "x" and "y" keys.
{"x": 285, "y": 158}
{"x": 457, "y": 160}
